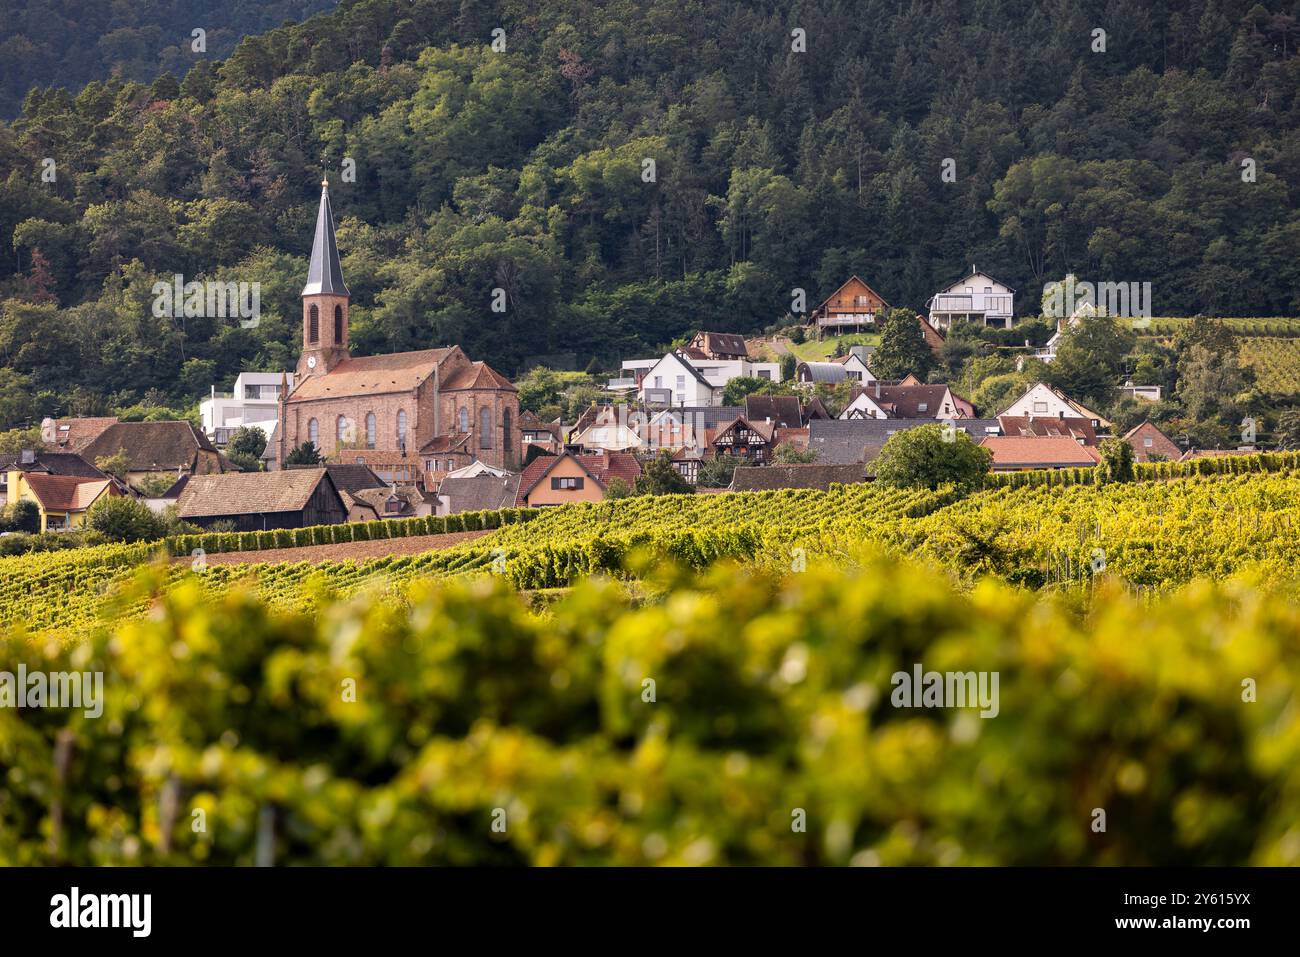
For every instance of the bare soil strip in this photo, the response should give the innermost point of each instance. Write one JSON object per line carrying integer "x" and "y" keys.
{"x": 377, "y": 548}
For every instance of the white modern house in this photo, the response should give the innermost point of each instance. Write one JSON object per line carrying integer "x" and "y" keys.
{"x": 976, "y": 298}
{"x": 676, "y": 380}
{"x": 254, "y": 401}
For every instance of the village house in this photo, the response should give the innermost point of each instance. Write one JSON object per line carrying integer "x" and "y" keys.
{"x": 976, "y": 298}
{"x": 1042, "y": 400}
{"x": 62, "y": 487}
{"x": 1014, "y": 453}
{"x": 537, "y": 434}
{"x": 367, "y": 496}
{"x": 690, "y": 427}
{"x": 73, "y": 435}
{"x": 784, "y": 411}
{"x": 853, "y": 307}
{"x": 156, "y": 448}
{"x": 1143, "y": 393}
{"x": 477, "y": 493}
{"x": 680, "y": 379}
{"x": 612, "y": 428}
{"x": 907, "y": 399}
{"x": 260, "y": 501}
{"x": 751, "y": 441}
{"x": 431, "y": 406}
{"x": 717, "y": 345}
{"x": 49, "y": 463}
{"x": 564, "y": 478}
{"x": 1075, "y": 427}
{"x": 1151, "y": 445}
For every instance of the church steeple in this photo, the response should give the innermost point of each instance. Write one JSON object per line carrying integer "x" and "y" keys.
{"x": 324, "y": 299}
{"x": 324, "y": 274}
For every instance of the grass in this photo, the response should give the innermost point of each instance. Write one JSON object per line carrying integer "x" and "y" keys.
{"x": 819, "y": 351}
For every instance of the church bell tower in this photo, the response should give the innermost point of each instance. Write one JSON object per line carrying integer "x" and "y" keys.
{"x": 324, "y": 300}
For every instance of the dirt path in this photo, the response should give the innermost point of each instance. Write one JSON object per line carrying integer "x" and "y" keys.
{"x": 378, "y": 548}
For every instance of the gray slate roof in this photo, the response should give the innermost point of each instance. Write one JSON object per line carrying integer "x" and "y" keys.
{"x": 480, "y": 492}
{"x": 829, "y": 372}
{"x": 849, "y": 441}
{"x": 753, "y": 478}
{"x": 55, "y": 463}
{"x": 701, "y": 416}
{"x": 325, "y": 274}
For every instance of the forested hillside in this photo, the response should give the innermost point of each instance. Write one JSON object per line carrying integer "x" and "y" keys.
{"x": 71, "y": 42}
{"x": 792, "y": 144}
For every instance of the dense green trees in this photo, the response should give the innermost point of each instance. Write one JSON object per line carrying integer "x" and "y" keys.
{"x": 930, "y": 456}
{"x": 902, "y": 349}
{"x": 621, "y": 174}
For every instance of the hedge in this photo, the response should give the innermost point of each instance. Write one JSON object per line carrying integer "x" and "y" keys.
{"x": 214, "y": 542}
{"x": 1152, "y": 471}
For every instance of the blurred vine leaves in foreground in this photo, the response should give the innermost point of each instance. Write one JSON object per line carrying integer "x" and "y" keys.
{"x": 480, "y": 728}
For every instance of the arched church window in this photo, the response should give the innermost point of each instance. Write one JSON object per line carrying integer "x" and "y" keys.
{"x": 401, "y": 428}
{"x": 462, "y": 422}
{"x": 485, "y": 428}
{"x": 338, "y": 325}
{"x": 342, "y": 430}
{"x": 371, "y": 429}
{"x": 313, "y": 325}
{"x": 313, "y": 432}
{"x": 506, "y": 430}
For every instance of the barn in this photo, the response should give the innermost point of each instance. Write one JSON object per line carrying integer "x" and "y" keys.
{"x": 257, "y": 501}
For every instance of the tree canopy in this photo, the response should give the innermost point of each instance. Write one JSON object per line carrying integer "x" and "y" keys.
{"x": 618, "y": 174}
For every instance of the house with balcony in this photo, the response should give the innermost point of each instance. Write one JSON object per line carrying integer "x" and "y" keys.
{"x": 677, "y": 379}
{"x": 854, "y": 307}
{"x": 976, "y": 298}
{"x": 254, "y": 401}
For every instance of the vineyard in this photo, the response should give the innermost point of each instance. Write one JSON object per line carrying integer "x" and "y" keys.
{"x": 1279, "y": 326}
{"x": 1276, "y": 363}
{"x": 1152, "y": 535}
{"x": 769, "y": 702}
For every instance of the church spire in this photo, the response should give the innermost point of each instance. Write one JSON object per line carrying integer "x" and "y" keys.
{"x": 325, "y": 275}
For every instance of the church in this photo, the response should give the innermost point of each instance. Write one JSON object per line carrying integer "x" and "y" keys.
{"x": 427, "y": 412}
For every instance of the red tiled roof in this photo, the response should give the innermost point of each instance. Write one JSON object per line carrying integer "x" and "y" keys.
{"x": 1072, "y": 426}
{"x": 798, "y": 438}
{"x": 371, "y": 375}
{"x": 447, "y": 442}
{"x": 1038, "y": 451}
{"x": 602, "y": 468}
{"x": 65, "y": 493}
{"x": 479, "y": 375}
{"x": 376, "y": 458}
{"x": 73, "y": 435}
